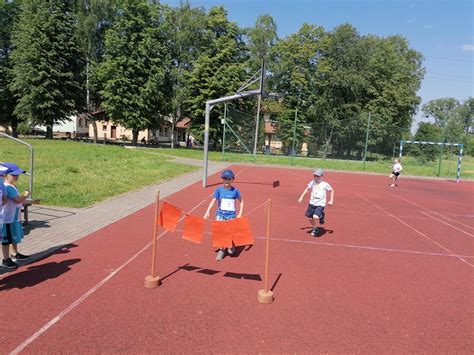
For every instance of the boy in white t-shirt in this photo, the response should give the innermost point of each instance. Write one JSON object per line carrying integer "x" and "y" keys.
{"x": 317, "y": 200}
{"x": 396, "y": 170}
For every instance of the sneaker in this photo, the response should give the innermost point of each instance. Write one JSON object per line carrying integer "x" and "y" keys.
{"x": 231, "y": 251}
{"x": 19, "y": 256}
{"x": 220, "y": 255}
{"x": 321, "y": 220}
{"x": 8, "y": 263}
{"x": 314, "y": 232}
{"x": 393, "y": 185}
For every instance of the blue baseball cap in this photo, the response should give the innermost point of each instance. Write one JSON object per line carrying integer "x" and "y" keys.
{"x": 11, "y": 169}
{"x": 318, "y": 172}
{"x": 227, "y": 174}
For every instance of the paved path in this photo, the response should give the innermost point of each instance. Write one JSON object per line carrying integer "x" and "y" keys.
{"x": 52, "y": 227}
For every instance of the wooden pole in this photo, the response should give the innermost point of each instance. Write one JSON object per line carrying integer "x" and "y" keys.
{"x": 152, "y": 280}
{"x": 265, "y": 295}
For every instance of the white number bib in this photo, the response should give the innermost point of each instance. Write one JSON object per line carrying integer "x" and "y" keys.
{"x": 228, "y": 204}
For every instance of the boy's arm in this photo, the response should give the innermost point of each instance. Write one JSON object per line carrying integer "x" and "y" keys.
{"x": 241, "y": 207}
{"x": 331, "y": 200}
{"x": 20, "y": 199}
{"x": 211, "y": 204}
{"x": 302, "y": 195}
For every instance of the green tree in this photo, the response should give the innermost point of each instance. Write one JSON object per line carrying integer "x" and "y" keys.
{"x": 394, "y": 72}
{"x": 185, "y": 30}
{"x": 46, "y": 63}
{"x": 426, "y": 132}
{"x": 218, "y": 71}
{"x": 94, "y": 18}
{"x": 261, "y": 38}
{"x": 466, "y": 114}
{"x": 291, "y": 130}
{"x": 8, "y": 15}
{"x": 133, "y": 70}
{"x": 342, "y": 86}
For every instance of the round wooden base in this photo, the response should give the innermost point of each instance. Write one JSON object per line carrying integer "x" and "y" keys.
{"x": 152, "y": 282}
{"x": 265, "y": 297}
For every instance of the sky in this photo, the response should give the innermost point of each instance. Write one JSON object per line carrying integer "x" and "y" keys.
{"x": 442, "y": 30}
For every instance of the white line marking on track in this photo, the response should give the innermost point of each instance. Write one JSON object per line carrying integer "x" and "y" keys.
{"x": 86, "y": 295}
{"x": 448, "y": 224}
{"x": 417, "y": 231}
{"x": 365, "y": 247}
{"x": 452, "y": 220}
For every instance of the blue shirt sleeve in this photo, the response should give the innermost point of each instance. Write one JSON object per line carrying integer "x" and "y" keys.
{"x": 11, "y": 192}
{"x": 217, "y": 194}
{"x": 237, "y": 194}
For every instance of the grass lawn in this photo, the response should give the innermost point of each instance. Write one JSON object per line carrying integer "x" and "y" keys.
{"x": 72, "y": 174}
{"x": 410, "y": 165}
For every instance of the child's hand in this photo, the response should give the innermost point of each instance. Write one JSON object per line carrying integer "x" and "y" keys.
{"x": 330, "y": 203}
{"x": 300, "y": 200}
{"x": 206, "y": 215}
{"x": 239, "y": 215}
{"x": 26, "y": 193}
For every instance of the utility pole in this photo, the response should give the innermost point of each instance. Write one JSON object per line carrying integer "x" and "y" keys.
{"x": 294, "y": 136}
{"x": 257, "y": 119}
{"x": 442, "y": 147}
{"x": 366, "y": 140}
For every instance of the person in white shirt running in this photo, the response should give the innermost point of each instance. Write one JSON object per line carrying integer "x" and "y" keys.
{"x": 396, "y": 170}
{"x": 317, "y": 200}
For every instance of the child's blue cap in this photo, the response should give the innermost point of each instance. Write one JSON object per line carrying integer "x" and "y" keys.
{"x": 227, "y": 174}
{"x": 318, "y": 172}
{"x": 11, "y": 169}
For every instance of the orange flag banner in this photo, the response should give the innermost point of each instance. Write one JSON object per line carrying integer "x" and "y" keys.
{"x": 241, "y": 233}
{"x": 169, "y": 216}
{"x": 193, "y": 229}
{"x": 221, "y": 234}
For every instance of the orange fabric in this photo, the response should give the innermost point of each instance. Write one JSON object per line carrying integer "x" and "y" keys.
{"x": 241, "y": 233}
{"x": 221, "y": 234}
{"x": 169, "y": 216}
{"x": 193, "y": 229}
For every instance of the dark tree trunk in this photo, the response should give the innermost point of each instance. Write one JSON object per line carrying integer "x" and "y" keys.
{"x": 49, "y": 132}
{"x": 134, "y": 136}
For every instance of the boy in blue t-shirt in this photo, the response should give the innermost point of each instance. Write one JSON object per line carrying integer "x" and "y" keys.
{"x": 12, "y": 231}
{"x": 226, "y": 196}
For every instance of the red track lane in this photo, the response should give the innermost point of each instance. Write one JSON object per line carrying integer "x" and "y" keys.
{"x": 369, "y": 284}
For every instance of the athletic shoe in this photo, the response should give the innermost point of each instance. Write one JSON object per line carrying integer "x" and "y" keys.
{"x": 220, "y": 255}
{"x": 321, "y": 220}
{"x": 19, "y": 256}
{"x": 314, "y": 232}
{"x": 8, "y": 263}
{"x": 393, "y": 185}
{"x": 231, "y": 251}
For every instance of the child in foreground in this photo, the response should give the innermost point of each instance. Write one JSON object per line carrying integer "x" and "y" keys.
{"x": 226, "y": 197}
{"x": 396, "y": 170}
{"x": 317, "y": 200}
{"x": 12, "y": 230}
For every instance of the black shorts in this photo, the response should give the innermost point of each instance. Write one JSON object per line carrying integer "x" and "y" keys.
{"x": 396, "y": 174}
{"x": 314, "y": 211}
{"x": 7, "y": 239}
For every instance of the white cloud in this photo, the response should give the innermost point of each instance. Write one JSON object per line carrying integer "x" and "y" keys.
{"x": 468, "y": 47}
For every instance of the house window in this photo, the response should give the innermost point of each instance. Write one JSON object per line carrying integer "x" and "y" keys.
{"x": 81, "y": 122}
{"x": 104, "y": 127}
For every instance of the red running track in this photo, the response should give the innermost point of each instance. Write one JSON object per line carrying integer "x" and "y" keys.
{"x": 393, "y": 271}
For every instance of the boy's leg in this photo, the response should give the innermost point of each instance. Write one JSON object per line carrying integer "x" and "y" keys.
{"x": 16, "y": 255}
{"x": 221, "y": 252}
{"x": 6, "y": 251}
{"x": 6, "y": 261}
